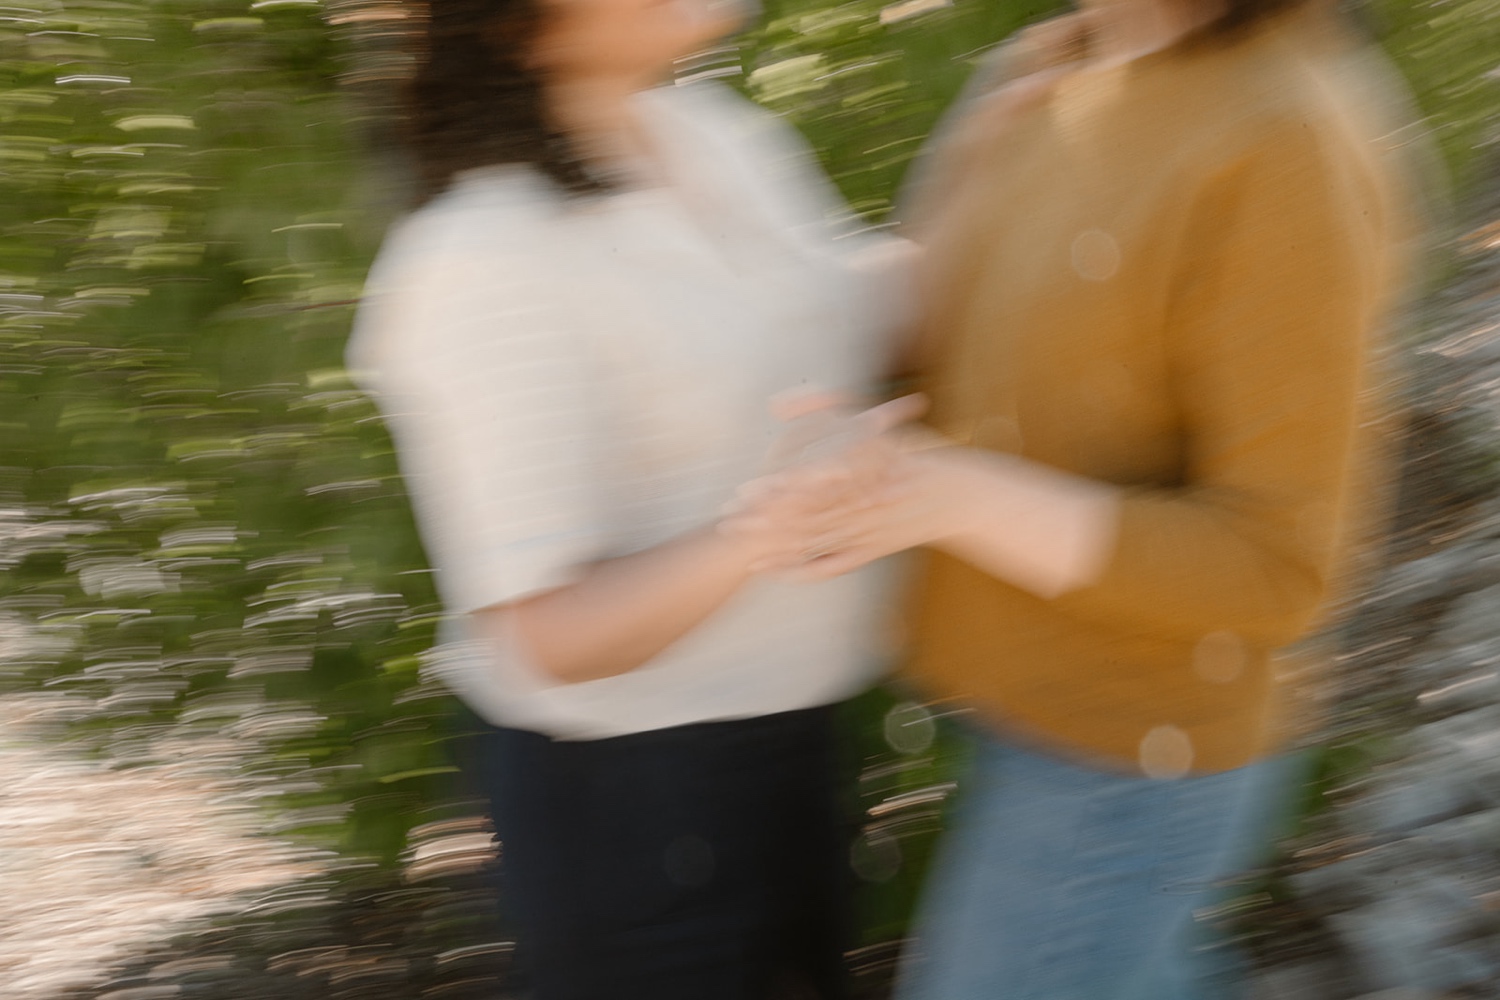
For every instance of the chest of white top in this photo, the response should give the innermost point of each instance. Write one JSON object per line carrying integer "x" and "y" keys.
{"x": 700, "y": 314}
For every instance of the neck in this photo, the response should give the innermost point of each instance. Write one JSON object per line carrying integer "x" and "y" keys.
{"x": 1126, "y": 29}
{"x": 597, "y": 115}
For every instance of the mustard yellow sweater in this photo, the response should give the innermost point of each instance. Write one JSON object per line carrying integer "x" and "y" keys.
{"x": 1171, "y": 276}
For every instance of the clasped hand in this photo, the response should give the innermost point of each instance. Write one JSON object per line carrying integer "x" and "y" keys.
{"x": 844, "y": 488}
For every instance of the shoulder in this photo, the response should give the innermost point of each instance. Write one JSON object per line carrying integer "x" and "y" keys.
{"x": 1290, "y": 69}
{"x": 501, "y": 221}
{"x": 484, "y": 213}
{"x": 1275, "y": 95}
{"x": 1289, "y": 161}
{"x": 486, "y": 248}
{"x": 708, "y": 106}
{"x": 726, "y": 126}
{"x": 746, "y": 153}
{"x": 1045, "y": 45}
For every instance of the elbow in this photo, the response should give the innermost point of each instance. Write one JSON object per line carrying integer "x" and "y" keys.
{"x": 564, "y": 671}
{"x": 548, "y": 652}
{"x": 557, "y": 663}
{"x": 552, "y": 670}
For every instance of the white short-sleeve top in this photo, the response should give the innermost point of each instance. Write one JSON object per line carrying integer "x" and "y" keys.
{"x": 574, "y": 379}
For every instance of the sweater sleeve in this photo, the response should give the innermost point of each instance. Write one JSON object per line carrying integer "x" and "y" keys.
{"x": 1269, "y": 328}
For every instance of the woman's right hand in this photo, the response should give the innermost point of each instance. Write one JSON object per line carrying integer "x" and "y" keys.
{"x": 832, "y": 462}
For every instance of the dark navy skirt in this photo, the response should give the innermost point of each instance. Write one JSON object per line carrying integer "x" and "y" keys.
{"x": 702, "y": 862}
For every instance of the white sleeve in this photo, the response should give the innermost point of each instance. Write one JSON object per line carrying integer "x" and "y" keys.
{"x": 492, "y": 401}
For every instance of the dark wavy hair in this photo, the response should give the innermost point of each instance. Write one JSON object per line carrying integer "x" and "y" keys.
{"x": 475, "y": 102}
{"x": 1240, "y": 15}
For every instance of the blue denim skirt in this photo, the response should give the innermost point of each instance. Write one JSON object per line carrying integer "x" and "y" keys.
{"x": 1059, "y": 881}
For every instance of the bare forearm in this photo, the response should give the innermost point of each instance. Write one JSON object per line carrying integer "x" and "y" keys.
{"x": 1039, "y": 529}
{"x": 625, "y": 611}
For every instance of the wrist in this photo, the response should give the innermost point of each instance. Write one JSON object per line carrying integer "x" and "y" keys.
{"x": 943, "y": 480}
{"x": 741, "y": 547}
{"x": 1042, "y": 529}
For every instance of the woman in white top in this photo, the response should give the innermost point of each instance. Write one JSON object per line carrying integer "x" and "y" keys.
{"x": 574, "y": 342}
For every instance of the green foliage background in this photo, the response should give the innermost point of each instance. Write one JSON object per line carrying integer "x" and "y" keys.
{"x": 201, "y": 526}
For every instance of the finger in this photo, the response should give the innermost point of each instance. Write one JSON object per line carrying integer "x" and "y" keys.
{"x": 827, "y": 535}
{"x": 780, "y": 564}
{"x": 831, "y": 484}
{"x": 804, "y": 401}
{"x": 789, "y": 491}
{"x": 871, "y": 465}
{"x": 810, "y": 490}
{"x": 743, "y": 526}
{"x": 890, "y": 415}
{"x": 916, "y": 437}
{"x": 830, "y": 566}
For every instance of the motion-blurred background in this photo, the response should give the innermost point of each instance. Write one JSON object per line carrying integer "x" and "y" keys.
{"x": 224, "y": 770}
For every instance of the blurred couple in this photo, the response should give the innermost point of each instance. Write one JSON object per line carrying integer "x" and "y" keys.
{"x": 631, "y": 350}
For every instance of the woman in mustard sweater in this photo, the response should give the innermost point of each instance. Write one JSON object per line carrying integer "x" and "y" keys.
{"x": 1161, "y": 252}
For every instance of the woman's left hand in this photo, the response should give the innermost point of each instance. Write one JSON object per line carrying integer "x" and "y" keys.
{"x": 872, "y": 500}
{"x": 911, "y": 508}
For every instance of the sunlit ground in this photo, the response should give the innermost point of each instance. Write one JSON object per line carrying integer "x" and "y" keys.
{"x": 99, "y": 859}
